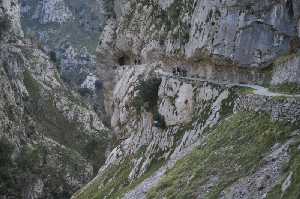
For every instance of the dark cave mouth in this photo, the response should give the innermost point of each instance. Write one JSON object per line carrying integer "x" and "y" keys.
{"x": 124, "y": 60}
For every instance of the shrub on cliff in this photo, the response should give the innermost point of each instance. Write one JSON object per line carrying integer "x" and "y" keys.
{"x": 147, "y": 98}
{"x": 148, "y": 94}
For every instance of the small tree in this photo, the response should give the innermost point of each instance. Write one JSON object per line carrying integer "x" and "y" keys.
{"x": 147, "y": 98}
{"x": 148, "y": 93}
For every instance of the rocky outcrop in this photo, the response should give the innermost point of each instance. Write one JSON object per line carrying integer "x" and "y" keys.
{"x": 249, "y": 34}
{"x": 10, "y": 20}
{"x": 182, "y": 124}
{"x": 51, "y": 11}
{"x": 68, "y": 31}
{"x": 47, "y": 126}
{"x": 264, "y": 178}
{"x": 287, "y": 70}
{"x": 280, "y": 109}
{"x": 143, "y": 133}
{"x": 181, "y": 138}
{"x": 230, "y": 41}
{"x": 154, "y": 139}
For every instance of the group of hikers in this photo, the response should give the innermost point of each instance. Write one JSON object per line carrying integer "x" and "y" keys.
{"x": 179, "y": 71}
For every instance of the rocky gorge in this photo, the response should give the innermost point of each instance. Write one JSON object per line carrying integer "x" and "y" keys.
{"x": 153, "y": 99}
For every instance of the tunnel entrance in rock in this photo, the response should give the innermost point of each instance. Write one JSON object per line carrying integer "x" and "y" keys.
{"x": 124, "y": 60}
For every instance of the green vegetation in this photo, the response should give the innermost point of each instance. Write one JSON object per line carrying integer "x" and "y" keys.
{"x": 245, "y": 90}
{"x": 115, "y": 183}
{"x": 228, "y": 105}
{"x": 147, "y": 99}
{"x": 287, "y": 88}
{"x": 23, "y": 168}
{"x": 94, "y": 150}
{"x": 55, "y": 125}
{"x": 202, "y": 112}
{"x": 280, "y": 98}
{"x": 7, "y": 183}
{"x": 114, "y": 179}
{"x": 234, "y": 149}
{"x": 155, "y": 165}
{"x": 10, "y": 112}
{"x": 69, "y": 133}
{"x": 30, "y": 158}
{"x": 293, "y": 192}
{"x": 32, "y": 86}
{"x": 148, "y": 94}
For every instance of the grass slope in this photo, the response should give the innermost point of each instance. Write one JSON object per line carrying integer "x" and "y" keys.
{"x": 233, "y": 150}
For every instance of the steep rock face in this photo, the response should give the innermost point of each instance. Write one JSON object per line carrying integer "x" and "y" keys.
{"x": 51, "y": 142}
{"x": 176, "y": 136}
{"x": 66, "y": 27}
{"x": 68, "y": 31}
{"x": 52, "y": 11}
{"x": 50, "y": 131}
{"x": 202, "y": 134}
{"x": 287, "y": 70}
{"x": 147, "y": 137}
{"x": 165, "y": 146}
{"x": 246, "y": 33}
{"x": 10, "y": 19}
{"x": 228, "y": 41}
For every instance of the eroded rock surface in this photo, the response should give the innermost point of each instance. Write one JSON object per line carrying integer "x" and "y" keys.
{"x": 250, "y": 34}
{"x": 51, "y": 141}
{"x": 68, "y": 32}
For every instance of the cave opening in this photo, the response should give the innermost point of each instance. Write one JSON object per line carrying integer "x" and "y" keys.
{"x": 123, "y": 60}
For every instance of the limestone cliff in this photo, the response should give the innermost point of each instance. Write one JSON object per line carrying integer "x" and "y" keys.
{"x": 230, "y": 41}
{"x": 68, "y": 31}
{"x": 203, "y": 98}
{"x": 51, "y": 143}
{"x": 205, "y": 101}
{"x": 246, "y": 33}
{"x": 205, "y": 139}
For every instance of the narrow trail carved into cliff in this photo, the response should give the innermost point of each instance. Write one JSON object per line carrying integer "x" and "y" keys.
{"x": 258, "y": 90}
